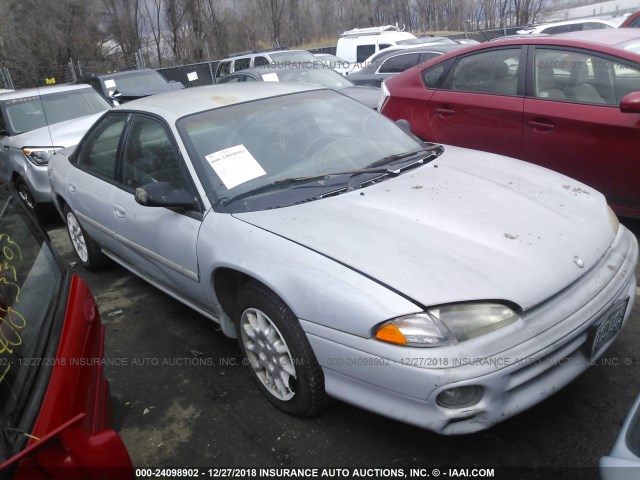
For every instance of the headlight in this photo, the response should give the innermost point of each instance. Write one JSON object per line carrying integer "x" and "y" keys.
{"x": 446, "y": 325}
{"x": 470, "y": 320}
{"x": 39, "y": 155}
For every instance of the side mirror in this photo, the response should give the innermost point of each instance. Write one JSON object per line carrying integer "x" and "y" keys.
{"x": 4, "y": 132}
{"x": 630, "y": 103}
{"x": 163, "y": 194}
{"x": 404, "y": 125}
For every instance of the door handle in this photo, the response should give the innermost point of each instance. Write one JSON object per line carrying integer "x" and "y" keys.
{"x": 541, "y": 124}
{"x": 445, "y": 111}
{"x": 119, "y": 211}
{"x": 71, "y": 187}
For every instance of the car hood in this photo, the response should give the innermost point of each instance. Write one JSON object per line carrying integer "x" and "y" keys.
{"x": 132, "y": 93}
{"x": 367, "y": 95}
{"x": 468, "y": 226}
{"x": 63, "y": 134}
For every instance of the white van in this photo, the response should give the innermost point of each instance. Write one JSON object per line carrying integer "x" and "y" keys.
{"x": 356, "y": 45}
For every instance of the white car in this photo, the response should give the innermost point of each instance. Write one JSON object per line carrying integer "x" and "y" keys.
{"x": 36, "y": 122}
{"x": 443, "y": 287}
{"x": 569, "y": 26}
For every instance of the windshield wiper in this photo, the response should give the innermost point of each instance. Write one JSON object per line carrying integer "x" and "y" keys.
{"x": 292, "y": 180}
{"x": 400, "y": 156}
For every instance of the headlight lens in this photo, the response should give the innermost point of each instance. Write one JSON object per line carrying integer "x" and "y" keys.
{"x": 39, "y": 155}
{"x": 446, "y": 325}
{"x": 470, "y": 320}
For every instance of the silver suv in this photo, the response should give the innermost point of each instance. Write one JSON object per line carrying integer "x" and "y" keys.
{"x": 261, "y": 58}
{"x": 34, "y": 123}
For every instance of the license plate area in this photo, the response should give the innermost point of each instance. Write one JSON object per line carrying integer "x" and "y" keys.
{"x": 606, "y": 327}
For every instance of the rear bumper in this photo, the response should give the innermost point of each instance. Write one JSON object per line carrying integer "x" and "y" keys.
{"x": 403, "y": 383}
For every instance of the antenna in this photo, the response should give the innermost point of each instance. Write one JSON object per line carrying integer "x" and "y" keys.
{"x": 44, "y": 112}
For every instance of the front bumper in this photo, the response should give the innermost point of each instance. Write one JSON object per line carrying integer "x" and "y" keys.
{"x": 548, "y": 349}
{"x": 37, "y": 179}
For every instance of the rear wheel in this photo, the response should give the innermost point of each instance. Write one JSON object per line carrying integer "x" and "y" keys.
{"x": 278, "y": 352}
{"x": 87, "y": 250}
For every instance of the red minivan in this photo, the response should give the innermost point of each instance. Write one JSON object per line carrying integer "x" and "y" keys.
{"x": 54, "y": 401}
{"x": 569, "y": 102}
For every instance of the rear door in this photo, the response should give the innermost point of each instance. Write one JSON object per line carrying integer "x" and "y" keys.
{"x": 481, "y": 103}
{"x": 91, "y": 184}
{"x": 573, "y": 123}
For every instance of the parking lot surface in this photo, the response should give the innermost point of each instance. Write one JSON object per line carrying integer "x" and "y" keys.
{"x": 183, "y": 398}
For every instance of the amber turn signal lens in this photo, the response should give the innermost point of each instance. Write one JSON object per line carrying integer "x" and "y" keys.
{"x": 390, "y": 333}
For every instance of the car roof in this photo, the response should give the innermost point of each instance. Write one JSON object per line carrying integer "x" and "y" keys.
{"x": 29, "y": 92}
{"x": 275, "y": 69}
{"x": 438, "y": 47}
{"x": 178, "y": 103}
{"x": 121, "y": 73}
{"x": 569, "y": 22}
{"x": 252, "y": 53}
{"x": 610, "y": 37}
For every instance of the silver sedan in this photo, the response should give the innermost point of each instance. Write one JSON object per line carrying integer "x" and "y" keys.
{"x": 443, "y": 287}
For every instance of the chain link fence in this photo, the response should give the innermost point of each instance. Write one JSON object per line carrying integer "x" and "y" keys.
{"x": 19, "y": 75}
{"x": 192, "y": 75}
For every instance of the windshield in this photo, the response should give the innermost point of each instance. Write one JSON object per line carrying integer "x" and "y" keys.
{"x": 299, "y": 58}
{"x": 244, "y": 147}
{"x": 325, "y": 77}
{"x": 133, "y": 80}
{"x": 30, "y": 113}
{"x": 30, "y": 282}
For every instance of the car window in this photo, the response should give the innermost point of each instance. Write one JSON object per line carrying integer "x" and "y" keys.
{"x": 150, "y": 156}
{"x": 595, "y": 26}
{"x": 562, "y": 28}
{"x": 30, "y": 113}
{"x": 324, "y": 77}
{"x": 100, "y": 148}
{"x": 494, "y": 72}
{"x": 229, "y": 79}
{"x": 241, "y": 64}
{"x": 435, "y": 75}
{"x": 635, "y": 23}
{"x": 583, "y": 77}
{"x": 426, "y": 56}
{"x": 261, "y": 61}
{"x": 224, "y": 69}
{"x": 30, "y": 284}
{"x": 364, "y": 51}
{"x": 399, "y": 63}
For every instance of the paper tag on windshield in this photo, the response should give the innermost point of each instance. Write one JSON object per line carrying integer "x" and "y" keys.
{"x": 235, "y": 166}
{"x": 110, "y": 83}
{"x": 270, "y": 77}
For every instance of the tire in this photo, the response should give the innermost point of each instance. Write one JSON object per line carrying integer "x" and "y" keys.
{"x": 87, "y": 251}
{"x": 26, "y": 196}
{"x": 278, "y": 352}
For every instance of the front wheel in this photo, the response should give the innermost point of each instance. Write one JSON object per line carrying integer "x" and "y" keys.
{"x": 278, "y": 352}
{"x": 25, "y": 195}
{"x": 87, "y": 250}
